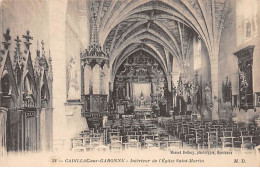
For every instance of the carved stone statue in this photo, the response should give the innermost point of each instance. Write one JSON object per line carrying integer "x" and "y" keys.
{"x": 73, "y": 90}
{"x": 208, "y": 93}
{"x": 142, "y": 100}
{"x": 131, "y": 72}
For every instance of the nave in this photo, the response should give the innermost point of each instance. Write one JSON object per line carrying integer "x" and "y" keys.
{"x": 166, "y": 133}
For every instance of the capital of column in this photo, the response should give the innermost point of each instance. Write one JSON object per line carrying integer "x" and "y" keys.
{"x": 3, "y": 110}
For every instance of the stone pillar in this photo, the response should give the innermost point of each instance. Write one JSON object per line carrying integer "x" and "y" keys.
{"x": 43, "y": 129}
{"x": 106, "y": 70}
{"x": 127, "y": 91}
{"x": 131, "y": 90}
{"x": 47, "y": 130}
{"x": 175, "y": 77}
{"x": 3, "y": 119}
{"x": 57, "y": 20}
{"x": 154, "y": 86}
{"x": 214, "y": 82}
{"x": 38, "y": 130}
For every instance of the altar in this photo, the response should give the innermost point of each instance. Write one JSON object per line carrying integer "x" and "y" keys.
{"x": 143, "y": 112}
{"x": 143, "y": 108}
{"x": 139, "y": 85}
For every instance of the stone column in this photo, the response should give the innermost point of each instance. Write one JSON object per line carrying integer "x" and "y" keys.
{"x": 3, "y": 118}
{"x": 57, "y": 20}
{"x": 175, "y": 77}
{"x": 42, "y": 129}
{"x": 38, "y": 130}
{"x": 127, "y": 90}
{"x": 47, "y": 129}
{"x": 131, "y": 90}
{"x": 214, "y": 82}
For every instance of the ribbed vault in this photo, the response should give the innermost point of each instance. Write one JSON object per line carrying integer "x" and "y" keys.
{"x": 163, "y": 28}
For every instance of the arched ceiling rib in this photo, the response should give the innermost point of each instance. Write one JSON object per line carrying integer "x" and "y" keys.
{"x": 162, "y": 25}
{"x": 138, "y": 47}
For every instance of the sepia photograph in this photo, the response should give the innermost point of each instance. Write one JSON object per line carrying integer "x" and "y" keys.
{"x": 129, "y": 83}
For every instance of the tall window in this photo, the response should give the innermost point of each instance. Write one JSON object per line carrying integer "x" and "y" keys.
{"x": 197, "y": 52}
{"x": 246, "y": 17}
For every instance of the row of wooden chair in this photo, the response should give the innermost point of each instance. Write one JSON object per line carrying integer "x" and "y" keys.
{"x": 125, "y": 134}
{"x": 210, "y": 134}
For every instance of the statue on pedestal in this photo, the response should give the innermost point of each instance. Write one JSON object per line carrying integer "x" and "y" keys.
{"x": 207, "y": 91}
{"x": 73, "y": 90}
{"x": 142, "y": 100}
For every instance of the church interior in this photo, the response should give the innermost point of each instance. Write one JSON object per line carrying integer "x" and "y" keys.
{"x": 136, "y": 74}
{"x": 164, "y": 74}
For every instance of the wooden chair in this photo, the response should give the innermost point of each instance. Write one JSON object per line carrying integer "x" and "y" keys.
{"x": 116, "y": 146}
{"x": 133, "y": 138}
{"x": 145, "y": 132}
{"x": 212, "y": 139}
{"x": 173, "y": 144}
{"x": 79, "y": 149}
{"x": 77, "y": 142}
{"x": 130, "y": 145}
{"x": 201, "y": 138}
{"x": 227, "y": 139}
{"x": 152, "y": 144}
{"x": 246, "y": 140}
{"x": 184, "y": 132}
{"x": 116, "y": 139}
{"x": 95, "y": 141}
{"x": 101, "y": 148}
{"x": 131, "y": 133}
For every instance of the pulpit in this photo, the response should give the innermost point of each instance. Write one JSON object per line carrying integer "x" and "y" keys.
{"x": 94, "y": 76}
{"x": 95, "y": 107}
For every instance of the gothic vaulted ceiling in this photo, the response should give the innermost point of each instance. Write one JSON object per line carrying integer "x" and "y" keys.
{"x": 163, "y": 28}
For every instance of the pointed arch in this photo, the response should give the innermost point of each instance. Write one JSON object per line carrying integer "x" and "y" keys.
{"x": 6, "y": 72}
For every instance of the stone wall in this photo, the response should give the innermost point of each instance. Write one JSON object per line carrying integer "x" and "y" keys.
{"x": 228, "y": 63}
{"x": 22, "y": 16}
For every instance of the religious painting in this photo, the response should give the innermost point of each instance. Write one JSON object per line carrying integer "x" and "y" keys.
{"x": 245, "y": 66}
{"x": 257, "y": 99}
